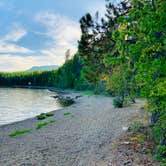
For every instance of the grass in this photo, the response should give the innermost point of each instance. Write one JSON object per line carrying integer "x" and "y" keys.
{"x": 136, "y": 126}
{"x": 19, "y": 132}
{"x": 41, "y": 125}
{"x": 41, "y": 116}
{"x": 88, "y": 92}
{"x": 138, "y": 137}
{"x": 44, "y": 115}
{"x": 67, "y": 113}
{"x": 49, "y": 114}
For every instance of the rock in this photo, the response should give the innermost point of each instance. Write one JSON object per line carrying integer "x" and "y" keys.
{"x": 78, "y": 97}
{"x": 66, "y": 101}
{"x": 126, "y": 143}
{"x": 128, "y": 162}
{"x": 57, "y": 96}
{"x": 125, "y": 128}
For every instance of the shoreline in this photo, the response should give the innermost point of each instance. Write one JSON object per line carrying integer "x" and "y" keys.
{"x": 62, "y": 93}
{"x": 51, "y": 88}
{"x": 36, "y": 87}
{"x": 84, "y": 137}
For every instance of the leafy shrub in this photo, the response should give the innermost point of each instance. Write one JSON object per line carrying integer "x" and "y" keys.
{"x": 161, "y": 153}
{"x": 118, "y": 102}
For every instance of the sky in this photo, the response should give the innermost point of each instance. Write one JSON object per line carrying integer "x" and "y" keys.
{"x": 38, "y": 32}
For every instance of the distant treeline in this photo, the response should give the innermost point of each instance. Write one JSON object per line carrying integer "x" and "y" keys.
{"x": 123, "y": 55}
{"x": 66, "y": 77}
{"x": 36, "y": 78}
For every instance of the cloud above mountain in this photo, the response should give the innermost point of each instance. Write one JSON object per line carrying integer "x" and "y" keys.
{"x": 39, "y": 33}
{"x": 63, "y": 34}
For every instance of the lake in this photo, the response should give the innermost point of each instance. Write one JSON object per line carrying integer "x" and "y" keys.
{"x": 18, "y": 104}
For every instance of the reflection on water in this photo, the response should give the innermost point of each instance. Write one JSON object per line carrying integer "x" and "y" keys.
{"x": 17, "y": 104}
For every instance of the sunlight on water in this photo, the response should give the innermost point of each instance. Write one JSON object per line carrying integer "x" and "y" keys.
{"x": 17, "y": 104}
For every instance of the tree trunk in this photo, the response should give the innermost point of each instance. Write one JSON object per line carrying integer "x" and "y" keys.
{"x": 153, "y": 5}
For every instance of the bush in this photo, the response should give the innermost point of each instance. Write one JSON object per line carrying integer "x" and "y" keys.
{"x": 118, "y": 102}
{"x": 161, "y": 153}
{"x": 41, "y": 116}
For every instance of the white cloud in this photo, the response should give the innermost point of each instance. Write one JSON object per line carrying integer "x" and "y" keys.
{"x": 63, "y": 31}
{"x": 10, "y": 62}
{"x": 6, "y": 48}
{"x": 15, "y": 34}
{"x": 7, "y": 42}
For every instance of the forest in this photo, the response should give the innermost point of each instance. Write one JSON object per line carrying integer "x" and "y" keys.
{"x": 122, "y": 55}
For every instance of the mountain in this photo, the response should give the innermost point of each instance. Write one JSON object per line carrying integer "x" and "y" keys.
{"x": 36, "y": 68}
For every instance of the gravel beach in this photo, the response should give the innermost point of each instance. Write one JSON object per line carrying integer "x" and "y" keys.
{"x": 82, "y": 138}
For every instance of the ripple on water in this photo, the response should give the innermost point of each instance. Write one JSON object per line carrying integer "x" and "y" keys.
{"x": 18, "y": 104}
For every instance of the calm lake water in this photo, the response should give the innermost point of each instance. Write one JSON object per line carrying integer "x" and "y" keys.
{"x": 17, "y": 104}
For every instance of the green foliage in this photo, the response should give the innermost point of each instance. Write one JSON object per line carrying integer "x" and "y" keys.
{"x": 41, "y": 116}
{"x": 88, "y": 92}
{"x": 43, "y": 124}
{"x": 139, "y": 137}
{"x": 141, "y": 46}
{"x": 48, "y": 114}
{"x": 161, "y": 153}
{"x": 36, "y": 78}
{"x": 66, "y": 77}
{"x": 126, "y": 51}
{"x": 67, "y": 113}
{"x": 137, "y": 126}
{"x": 118, "y": 102}
{"x": 19, "y": 132}
{"x": 135, "y": 63}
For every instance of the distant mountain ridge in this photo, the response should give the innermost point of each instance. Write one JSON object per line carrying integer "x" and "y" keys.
{"x": 36, "y": 68}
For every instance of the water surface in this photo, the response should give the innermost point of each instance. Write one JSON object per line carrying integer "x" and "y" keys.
{"x": 17, "y": 104}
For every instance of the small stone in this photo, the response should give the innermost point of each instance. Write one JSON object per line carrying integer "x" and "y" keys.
{"x": 125, "y": 128}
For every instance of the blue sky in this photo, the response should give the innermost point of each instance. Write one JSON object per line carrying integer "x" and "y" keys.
{"x": 38, "y": 32}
